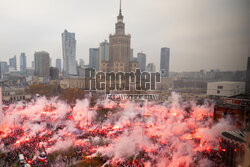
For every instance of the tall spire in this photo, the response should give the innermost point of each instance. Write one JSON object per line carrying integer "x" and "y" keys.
{"x": 120, "y": 17}
{"x": 120, "y": 6}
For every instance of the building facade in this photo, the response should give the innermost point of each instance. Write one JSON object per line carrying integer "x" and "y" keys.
{"x": 33, "y": 64}
{"x": 164, "y": 64}
{"x": 3, "y": 68}
{"x": 81, "y": 62}
{"x": 141, "y": 58}
{"x": 69, "y": 53}
{"x": 119, "y": 49}
{"x": 13, "y": 80}
{"x": 151, "y": 67}
{"x": 59, "y": 64}
{"x": 10, "y": 95}
{"x": 54, "y": 73}
{"x": 23, "y": 63}
{"x": 41, "y": 64}
{"x": 225, "y": 89}
{"x": 50, "y": 62}
{"x": 12, "y": 63}
{"x": 94, "y": 58}
{"x": 131, "y": 54}
{"x": 103, "y": 52}
{"x": 30, "y": 71}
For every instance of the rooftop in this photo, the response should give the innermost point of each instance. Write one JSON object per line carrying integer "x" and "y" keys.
{"x": 226, "y": 82}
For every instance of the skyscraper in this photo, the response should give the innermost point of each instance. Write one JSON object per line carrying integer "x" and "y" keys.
{"x": 151, "y": 67}
{"x": 42, "y": 64}
{"x": 69, "y": 53}
{"x": 3, "y": 68}
{"x": 94, "y": 58}
{"x": 103, "y": 52}
{"x": 12, "y": 63}
{"x": 81, "y": 62}
{"x": 53, "y": 73}
{"x": 141, "y": 58}
{"x": 59, "y": 64}
{"x": 50, "y": 62}
{"x": 247, "y": 90}
{"x": 33, "y": 64}
{"x": 22, "y": 63}
{"x": 119, "y": 49}
{"x": 131, "y": 54}
{"x": 164, "y": 64}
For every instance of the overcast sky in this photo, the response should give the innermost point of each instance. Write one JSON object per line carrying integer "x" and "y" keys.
{"x": 201, "y": 34}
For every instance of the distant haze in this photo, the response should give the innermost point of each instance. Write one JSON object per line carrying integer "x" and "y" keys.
{"x": 202, "y": 34}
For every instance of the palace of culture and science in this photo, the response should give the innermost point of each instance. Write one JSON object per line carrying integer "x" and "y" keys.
{"x": 119, "y": 50}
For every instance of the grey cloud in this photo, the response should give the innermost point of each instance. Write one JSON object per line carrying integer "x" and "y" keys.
{"x": 204, "y": 34}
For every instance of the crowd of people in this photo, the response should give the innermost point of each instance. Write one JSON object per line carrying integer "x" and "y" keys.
{"x": 80, "y": 152}
{"x": 17, "y": 141}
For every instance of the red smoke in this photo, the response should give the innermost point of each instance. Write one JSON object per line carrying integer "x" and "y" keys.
{"x": 174, "y": 134}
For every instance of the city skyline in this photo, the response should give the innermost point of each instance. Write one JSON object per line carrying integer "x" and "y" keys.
{"x": 171, "y": 24}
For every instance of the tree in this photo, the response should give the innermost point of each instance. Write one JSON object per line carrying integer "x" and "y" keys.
{"x": 44, "y": 90}
{"x": 72, "y": 94}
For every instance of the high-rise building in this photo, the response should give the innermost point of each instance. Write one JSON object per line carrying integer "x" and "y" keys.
{"x": 94, "y": 58}
{"x": 69, "y": 53}
{"x": 76, "y": 64}
{"x": 151, "y": 67}
{"x": 247, "y": 90}
{"x": 103, "y": 52}
{"x": 141, "y": 58}
{"x": 135, "y": 60}
{"x": 131, "y": 54}
{"x": 54, "y": 73}
{"x": 3, "y": 68}
{"x": 59, "y": 64}
{"x": 50, "y": 62}
{"x": 30, "y": 71}
{"x": 119, "y": 49}
{"x": 81, "y": 62}
{"x": 23, "y": 63}
{"x": 81, "y": 71}
{"x": 164, "y": 64}
{"x": 33, "y": 64}
{"x": 12, "y": 63}
{"x": 41, "y": 64}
